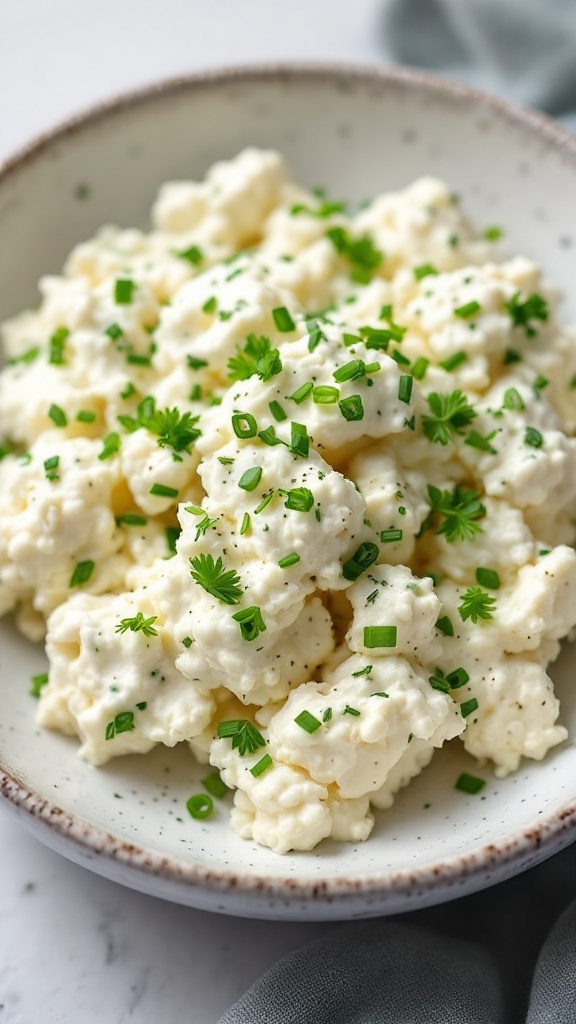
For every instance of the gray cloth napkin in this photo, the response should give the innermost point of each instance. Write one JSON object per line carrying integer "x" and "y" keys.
{"x": 507, "y": 955}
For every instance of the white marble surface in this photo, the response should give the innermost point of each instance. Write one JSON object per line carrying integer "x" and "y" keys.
{"x": 75, "y": 948}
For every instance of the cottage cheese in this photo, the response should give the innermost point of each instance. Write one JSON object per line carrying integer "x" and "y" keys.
{"x": 294, "y": 486}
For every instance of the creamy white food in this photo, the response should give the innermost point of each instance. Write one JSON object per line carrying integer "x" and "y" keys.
{"x": 293, "y": 485}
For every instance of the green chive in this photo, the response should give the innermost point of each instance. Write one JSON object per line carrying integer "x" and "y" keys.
{"x": 86, "y": 416}
{"x": 351, "y": 711}
{"x": 468, "y": 310}
{"x": 245, "y": 524}
{"x": 289, "y": 560}
{"x": 58, "y": 416}
{"x": 260, "y": 767}
{"x": 199, "y": 806}
{"x": 192, "y": 255}
{"x": 424, "y": 270}
{"x": 307, "y": 722}
{"x": 299, "y": 440}
{"x": 283, "y": 320}
{"x": 533, "y": 438}
{"x": 187, "y": 642}
{"x": 299, "y": 499}
{"x": 324, "y": 394}
{"x": 196, "y": 364}
{"x": 244, "y": 425}
{"x": 250, "y": 479}
{"x": 511, "y": 356}
{"x": 405, "y": 388}
{"x": 327, "y": 716}
{"x": 492, "y": 233}
{"x": 469, "y": 783}
{"x": 56, "y": 355}
{"x": 350, "y": 371}
{"x": 162, "y": 491}
{"x": 172, "y": 534}
{"x": 453, "y": 362}
{"x": 352, "y": 408}
{"x": 420, "y": 367}
{"x": 277, "y": 411}
{"x": 444, "y": 624}
{"x": 250, "y": 621}
{"x": 131, "y": 519}
{"x": 51, "y": 467}
{"x": 301, "y": 393}
{"x": 457, "y": 678}
{"x": 214, "y": 785}
{"x": 81, "y": 574}
{"x": 210, "y": 305}
{"x": 114, "y": 332}
{"x": 390, "y": 536}
{"x": 123, "y": 291}
{"x": 513, "y": 399}
{"x": 380, "y": 636}
{"x": 264, "y": 503}
{"x": 37, "y": 684}
{"x": 111, "y": 446}
{"x": 360, "y": 561}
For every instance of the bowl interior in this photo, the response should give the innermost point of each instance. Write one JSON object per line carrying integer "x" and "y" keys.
{"x": 356, "y": 134}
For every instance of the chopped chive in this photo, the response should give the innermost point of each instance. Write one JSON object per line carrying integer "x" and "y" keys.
{"x": 131, "y": 519}
{"x": 86, "y": 416}
{"x": 444, "y": 624}
{"x": 192, "y": 255}
{"x": 245, "y": 524}
{"x": 307, "y": 722}
{"x": 380, "y": 636}
{"x": 270, "y": 437}
{"x": 195, "y": 393}
{"x": 162, "y": 491}
{"x": 350, "y": 371}
{"x": 37, "y": 684}
{"x": 172, "y": 534}
{"x": 215, "y": 786}
{"x": 324, "y": 394}
{"x": 56, "y": 354}
{"x": 301, "y": 393}
{"x": 327, "y": 716}
{"x": 138, "y": 360}
{"x": 58, "y": 416}
{"x": 250, "y": 621}
{"x": 439, "y": 682}
{"x": 244, "y": 425}
{"x": 380, "y": 693}
{"x": 351, "y": 711}
{"x": 351, "y": 339}
{"x": 289, "y": 560}
{"x": 27, "y": 357}
{"x": 533, "y": 438}
{"x": 424, "y": 270}
{"x": 399, "y": 358}
{"x": 82, "y": 573}
{"x": 114, "y": 331}
{"x": 513, "y": 399}
{"x": 453, "y": 362}
{"x": 511, "y": 356}
{"x": 476, "y": 440}
{"x": 420, "y": 367}
{"x": 260, "y": 767}
{"x": 199, "y": 806}
{"x": 277, "y": 411}
{"x": 111, "y": 446}
{"x": 362, "y": 671}
{"x": 51, "y": 467}
{"x": 468, "y": 310}
{"x": 405, "y": 388}
{"x": 225, "y": 461}
{"x": 299, "y": 440}
{"x": 352, "y": 408}
{"x": 128, "y": 391}
{"x": 469, "y": 783}
{"x": 187, "y": 641}
{"x": 264, "y": 503}
{"x": 210, "y": 305}
{"x": 123, "y": 291}
{"x": 488, "y": 578}
{"x": 492, "y": 233}
{"x": 457, "y": 678}
{"x": 283, "y": 320}
{"x": 142, "y": 705}
{"x": 196, "y": 364}
{"x": 390, "y": 536}
{"x": 250, "y": 479}
{"x": 360, "y": 561}
{"x": 123, "y": 722}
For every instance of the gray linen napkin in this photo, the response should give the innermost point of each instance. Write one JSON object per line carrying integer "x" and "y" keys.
{"x": 496, "y": 957}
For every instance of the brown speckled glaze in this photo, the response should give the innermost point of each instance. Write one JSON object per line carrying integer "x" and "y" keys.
{"x": 517, "y": 156}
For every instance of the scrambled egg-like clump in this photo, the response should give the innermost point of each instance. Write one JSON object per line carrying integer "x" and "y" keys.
{"x": 293, "y": 485}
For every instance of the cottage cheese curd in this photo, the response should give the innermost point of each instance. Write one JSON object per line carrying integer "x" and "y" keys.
{"x": 293, "y": 485}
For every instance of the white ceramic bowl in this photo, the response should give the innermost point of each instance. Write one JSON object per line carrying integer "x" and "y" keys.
{"x": 357, "y": 131}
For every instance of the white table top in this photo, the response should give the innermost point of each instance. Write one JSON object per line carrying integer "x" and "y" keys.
{"x": 74, "y": 947}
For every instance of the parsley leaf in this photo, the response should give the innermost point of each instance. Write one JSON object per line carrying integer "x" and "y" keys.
{"x": 174, "y": 429}
{"x": 362, "y": 254}
{"x": 476, "y": 604}
{"x": 257, "y": 357}
{"x": 138, "y": 624}
{"x": 215, "y": 579}
{"x": 523, "y": 311}
{"x": 450, "y": 412}
{"x": 460, "y": 508}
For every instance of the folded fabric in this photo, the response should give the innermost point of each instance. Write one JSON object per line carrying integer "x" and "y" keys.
{"x": 522, "y": 49}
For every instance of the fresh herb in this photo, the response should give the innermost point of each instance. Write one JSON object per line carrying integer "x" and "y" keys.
{"x": 173, "y": 429}
{"x": 194, "y": 363}
{"x": 289, "y": 560}
{"x": 453, "y": 362}
{"x": 380, "y": 636}
{"x": 244, "y": 425}
{"x": 351, "y": 711}
{"x": 444, "y": 624}
{"x": 533, "y": 438}
{"x": 86, "y": 416}
{"x": 192, "y": 255}
{"x": 469, "y": 783}
{"x": 360, "y": 561}
{"x": 476, "y": 604}
{"x": 123, "y": 291}
{"x": 123, "y": 722}
{"x": 391, "y": 536}
{"x": 449, "y": 414}
{"x": 469, "y": 309}
{"x": 460, "y": 509}
{"x": 82, "y": 573}
{"x": 324, "y": 394}
{"x": 111, "y": 445}
{"x": 468, "y": 707}
{"x": 523, "y": 312}
{"x": 420, "y": 367}
{"x": 37, "y": 684}
{"x": 199, "y": 806}
{"x": 283, "y": 320}
{"x": 513, "y": 400}
{"x": 215, "y": 786}
{"x": 299, "y": 440}
{"x": 277, "y": 411}
{"x": 301, "y": 393}
{"x": 58, "y": 416}
{"x": 245, "y": 524}
{"x": 210, "y": 305}
{"x": 299, "y": 499}
{"x": 163, "y": 491}
{"x": 51, "y": 467}
{"x": 250, "y": 621}
{"x": 250, "y": 479}
{"x": 457, "y": 678}
{"x": 114, "y": 331}
{"x": 56, "y": 351}
{"x": 138, "y": 624}
{"x": 362, "y": 672}
{"x": 308, "y": 722}
{"x": 488, "y": 578}
{"x": 352, "y": 408}
{"x": 244, "y": 735}
{"x": 481, "y": 442}
{"x": 257, "y": 357}
{"x": 493, "y": 233}
{"x": 424, "y": 270}
{"x": 172, "y": 533}
{"x": 405, "y": 388}
{"x": 260, "y": 767}
{"x": 215, "y": 579}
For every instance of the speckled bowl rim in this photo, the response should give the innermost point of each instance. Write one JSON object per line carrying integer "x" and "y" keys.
{"x": 552, "y": 832}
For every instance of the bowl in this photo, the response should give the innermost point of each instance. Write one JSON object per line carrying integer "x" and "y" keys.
{"x": 357, "y": 131}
